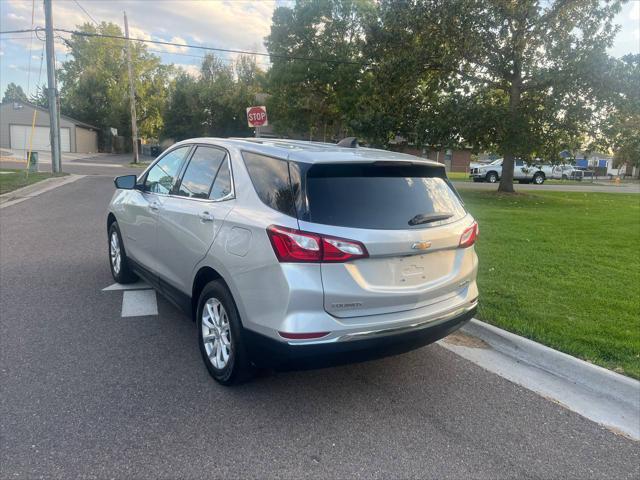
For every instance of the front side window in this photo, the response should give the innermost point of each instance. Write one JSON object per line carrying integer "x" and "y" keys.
{"x": 201, "y": 172}
{"x": 161, "y": 177}
{"x": 270, "y": 178}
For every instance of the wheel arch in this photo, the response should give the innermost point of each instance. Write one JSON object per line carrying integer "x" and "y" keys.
{"x": 205, "y": 275}
{"x": 494, "y": 172}
{"x": 111, "y": 218}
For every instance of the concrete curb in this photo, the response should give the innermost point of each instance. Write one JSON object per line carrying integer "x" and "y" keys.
{"x": 598, "y": 379}
{"x": 30, "y": 191}
{"x": 601, "y": 395}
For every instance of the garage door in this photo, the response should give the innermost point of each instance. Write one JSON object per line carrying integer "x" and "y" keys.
{"x": 20, "y": 138}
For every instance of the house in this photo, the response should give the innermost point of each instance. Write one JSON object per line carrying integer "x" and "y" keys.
{"x": 453, "y": 160}
{"x": 16, "y": 118}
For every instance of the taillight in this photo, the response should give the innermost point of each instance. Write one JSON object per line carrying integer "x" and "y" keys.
{"x": 469, "y": 236}
{"x": 292, "y": 245}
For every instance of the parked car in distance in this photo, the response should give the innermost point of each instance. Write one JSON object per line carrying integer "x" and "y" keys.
{"x": 296, "y": 254}
{"x": 523, "y": 172}
{"x": 565, "y": 172}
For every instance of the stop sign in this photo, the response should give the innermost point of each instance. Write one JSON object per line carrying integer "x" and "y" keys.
{"x": 257, "y": 116}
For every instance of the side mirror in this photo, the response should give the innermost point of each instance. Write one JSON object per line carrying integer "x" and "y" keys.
{"x": 125, "y": 182}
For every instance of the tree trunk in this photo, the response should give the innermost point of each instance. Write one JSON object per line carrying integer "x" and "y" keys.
{"x": 506, "y": 179}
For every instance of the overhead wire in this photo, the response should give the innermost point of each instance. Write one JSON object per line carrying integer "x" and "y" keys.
{"x": 86, "y": 13}
{"x": 202, "y": 47}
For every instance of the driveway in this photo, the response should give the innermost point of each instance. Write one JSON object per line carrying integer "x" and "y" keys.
{"x": 87, "y": 392}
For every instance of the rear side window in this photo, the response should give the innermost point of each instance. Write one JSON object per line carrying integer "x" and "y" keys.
{"x": 222, "y": 185}
{"x": 202, "y": 169}
{"x": 384, "y": 197}
{"x": 270, "y": 178}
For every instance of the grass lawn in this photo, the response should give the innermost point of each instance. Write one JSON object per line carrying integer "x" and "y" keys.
{"x": 563, "y": 269}
{"x": 458, "y": 176}
{"x": 19, "y": 178}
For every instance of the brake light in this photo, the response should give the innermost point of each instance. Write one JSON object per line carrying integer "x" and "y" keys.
{"x": 292, "y": 245}
{"x": 469, "y": 236}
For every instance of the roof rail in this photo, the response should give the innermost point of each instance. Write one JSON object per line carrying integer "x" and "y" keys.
{"x": 348, "y": 142}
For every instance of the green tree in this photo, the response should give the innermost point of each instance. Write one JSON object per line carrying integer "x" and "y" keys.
{"x": 40, "y": 96}
{"x": 621, "y": 131}
{"x": 214, "y": 103}
{"x": 517, "y": 77}
{"x": 14, "y": 92}
{"x": 319, "y": 97}
{"x": 95, "y": 82}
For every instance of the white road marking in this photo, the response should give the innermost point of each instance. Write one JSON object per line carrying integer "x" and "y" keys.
{"x": 139, "y": 285}
{"x": 139, "y": 303}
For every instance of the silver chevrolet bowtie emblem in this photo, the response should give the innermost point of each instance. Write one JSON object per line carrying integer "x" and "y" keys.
{"x": 421, "y": 245}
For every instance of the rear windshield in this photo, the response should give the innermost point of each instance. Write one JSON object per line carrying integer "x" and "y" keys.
{"x": 389, "y": 197}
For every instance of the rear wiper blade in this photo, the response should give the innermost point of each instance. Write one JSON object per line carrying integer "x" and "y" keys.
{"x": 428, "y": 218}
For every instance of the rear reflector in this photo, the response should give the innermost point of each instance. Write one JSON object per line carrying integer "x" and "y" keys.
{"x": 292, "y": 245}
{"x": 469, "y": 236}
{"x": 303, "y": 336}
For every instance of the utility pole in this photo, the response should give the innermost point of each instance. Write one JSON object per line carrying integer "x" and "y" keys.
{"x": 132, "y": 93}
{"x": 52, "y": 90}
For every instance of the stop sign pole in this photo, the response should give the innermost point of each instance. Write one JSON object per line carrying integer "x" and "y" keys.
{"x": 257, "y": 117}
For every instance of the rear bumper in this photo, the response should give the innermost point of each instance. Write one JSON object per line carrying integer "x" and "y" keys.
{"x": 368, "y": 345}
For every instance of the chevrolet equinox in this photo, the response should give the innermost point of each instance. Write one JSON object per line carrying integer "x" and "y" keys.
{"x": 292, "y": 254}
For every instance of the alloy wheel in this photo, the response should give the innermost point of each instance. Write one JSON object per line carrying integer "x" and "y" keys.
{"x": 216, "y": 333}
{"x": 115, "y": 252}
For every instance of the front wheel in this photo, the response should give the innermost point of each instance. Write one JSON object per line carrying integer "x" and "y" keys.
{"x": 538, "y": 178}
{"x": 492, "y": 177}
{"x": 120, "y": 270}
{"x": 220, "y": 335}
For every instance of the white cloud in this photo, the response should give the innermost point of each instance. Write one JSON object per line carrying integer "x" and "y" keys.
{"x": 634, "y": 11}
{"x": 192, "y": 70}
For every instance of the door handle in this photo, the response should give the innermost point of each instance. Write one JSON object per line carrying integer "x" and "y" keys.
{"x": 206, "y": 217}
{"x": 154, "y": 205}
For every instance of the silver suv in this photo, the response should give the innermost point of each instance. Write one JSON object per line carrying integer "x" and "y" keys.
{"x": 297, "y": 254}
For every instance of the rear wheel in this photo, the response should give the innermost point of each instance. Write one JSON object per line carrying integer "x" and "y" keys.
{"x": 538, "y": 178}
{"x": 492, "y": 177}
{"x": 220, "y": 335}
{"x": 120, "y": 270}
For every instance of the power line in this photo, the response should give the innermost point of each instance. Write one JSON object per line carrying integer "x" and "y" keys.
{"x": 266, "y": 63}
{"x": 86, "y": 13}
{"x": 24, "y": 30}
{"x": 201, "y": 47}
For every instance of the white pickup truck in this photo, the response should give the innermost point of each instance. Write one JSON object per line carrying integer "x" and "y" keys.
{"x": 522, "y": 172}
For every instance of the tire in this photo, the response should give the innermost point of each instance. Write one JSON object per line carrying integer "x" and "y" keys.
{"x": 492, "y": 177}
{"x": 223, "y": 330}
{"x": 118, "y": 262}
{"x": 564, "y": 177}
{"x": 538, "y": 178}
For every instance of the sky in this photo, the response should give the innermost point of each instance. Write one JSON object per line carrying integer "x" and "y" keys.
{"x": 232, "y": 24}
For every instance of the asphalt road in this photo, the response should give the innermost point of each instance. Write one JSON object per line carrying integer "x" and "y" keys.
{"x": 101, "y": 164}
{"x": 86, "y": 393}
{"x": 584, "y": 186}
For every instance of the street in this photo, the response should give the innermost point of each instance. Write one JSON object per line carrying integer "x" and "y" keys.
{"x": 89, "y": 393}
